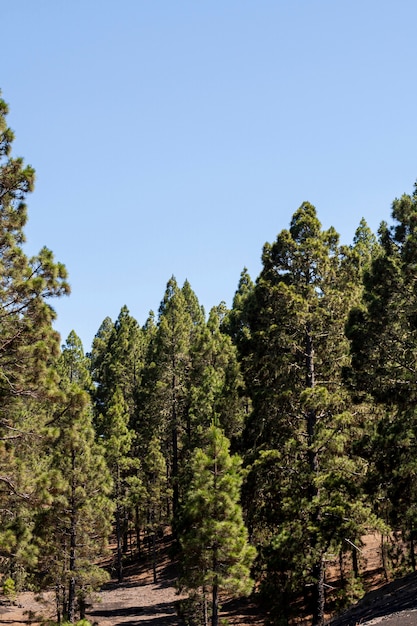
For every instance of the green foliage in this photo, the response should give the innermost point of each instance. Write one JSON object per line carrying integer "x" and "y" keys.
{"x": 215, "y": 382}
{"x": 383, "y": 335}
{"x": 165, "y": 393}
{"x": 215, "y": 552}
{"x": 300, "y": 495}
{"x": 73, "y": 365}
{"x": 72, "y": 531}
{"x": 192, "y": 610}
{"x": 28, "y": 348}
{"x": 352, "y": 592}
{"x": 116, "y": 363}
{"x": 9, "y": 588}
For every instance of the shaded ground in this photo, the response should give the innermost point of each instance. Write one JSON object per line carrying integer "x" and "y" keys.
{"x": 393, "y": 604}
{"x": 136, "y": 601}
{"x": 390, "y": 604}
{"x": 140, "y": 602}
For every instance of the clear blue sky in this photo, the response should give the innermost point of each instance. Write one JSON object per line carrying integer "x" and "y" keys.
{"x": 176, "y": 137}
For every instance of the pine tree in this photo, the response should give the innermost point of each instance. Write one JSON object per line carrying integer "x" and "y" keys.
{"x": 73, "y": 530}
{"x": 166, "y": 385}
{"x": 235, "y": 323}
{"x": 156, "y": 494}
{"x": 383, "y": 330}
{"x": 215, "y": 549}
{"x": 299, "y": 432}
{"x": 118, "y": 440}
{"x": 383, "y": 335}
{"x": 73, "y": 364}
{"x": 28, "y": 346}
{"x": 215, "y": 382}
{"x": 27, "y": 338}
{"x": 117, "y": 361}
{"x": 98, "y": 361}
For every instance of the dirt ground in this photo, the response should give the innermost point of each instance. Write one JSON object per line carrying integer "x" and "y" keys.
{"x": 394, "y": 604}
{"x": 391, "y": 603}
{"x": 138, "y": 601}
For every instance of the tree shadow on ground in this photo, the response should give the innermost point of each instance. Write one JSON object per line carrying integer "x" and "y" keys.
{"x": 161, "y": 614}
{"x": 395, "y": 597}
{"x": 233, "y": 609}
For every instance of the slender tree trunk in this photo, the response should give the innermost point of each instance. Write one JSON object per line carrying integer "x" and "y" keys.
{"x": 119, "y": 564}
{"x": 59, "y": 602}
{"x": 73, "y": 543}
{"x": 153, "y": 548}
{"x": 154, "y": 558}
{"x": 125, "y": 532}
{"x": 64, "y": 600}
{"x": 412, "y": 550}
{"x": 313, "y": 460}
{"x": 355, "y": 563}
{"x": 383, "y": 559}
{"x": 205, "y": 611}
{"x": 81, "y": 604}
{"x": 318, "y": 594}
{"x": 215, "y": 606}
{"x": 175, "y": 491}
{"x": 341, "y": 568}
{"x": 137, "y": 530}
{"x": 215, "y": 590}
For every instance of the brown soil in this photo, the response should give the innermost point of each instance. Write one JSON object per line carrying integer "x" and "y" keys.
{"x": 394, "y": 604}
{"x": 138, "y": 601}
{"x": 135, "y": 601}
{"x": 391, "y": 603}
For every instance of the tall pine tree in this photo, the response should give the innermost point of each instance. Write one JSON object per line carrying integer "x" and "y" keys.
{"x": 73, "y": 530}
{"x": 383, "y": 335}
{"x": 298, "y": 434}
{"x": 216, "y": 554}
{"x": 28, "y": 346}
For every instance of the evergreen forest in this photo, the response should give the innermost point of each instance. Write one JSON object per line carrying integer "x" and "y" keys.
{"x": 269, "y": 439}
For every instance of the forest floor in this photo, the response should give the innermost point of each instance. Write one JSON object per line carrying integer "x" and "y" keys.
{"x": 387, "y": 603}
{"x": 137, "y": 601}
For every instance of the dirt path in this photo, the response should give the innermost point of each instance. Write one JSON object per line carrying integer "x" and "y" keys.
{"x": 138, "y": 600}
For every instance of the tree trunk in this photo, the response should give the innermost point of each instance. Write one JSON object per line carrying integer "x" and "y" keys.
{"x": 318, "y": 594}
{"x": 175, "y": 491}
{"x": 355, "y": 563}
{"x": 137, "y": 530}
{"x": 59, "y": 602}
{"x": 81, "y": 604}
{"x": 341, "y": 568}
{"x": 384, "y": 559}
{"x": 215, "y": 607}
{"x": 205, "y": 611}
{"x": 313, "y": 460}
{"x": 64, "y": 601}
{"x": 153, "y": 548}
{"x": 119, "y": 564}
{"x": 125, "y": 532}
{"x": 412, "y": 551}
{"x": 73, "y": 542}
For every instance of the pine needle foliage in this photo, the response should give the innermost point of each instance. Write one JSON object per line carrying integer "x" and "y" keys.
{"x": 216, "y": 554}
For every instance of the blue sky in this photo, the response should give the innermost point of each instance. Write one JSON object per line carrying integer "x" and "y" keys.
{"x": 177, "y": 137}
